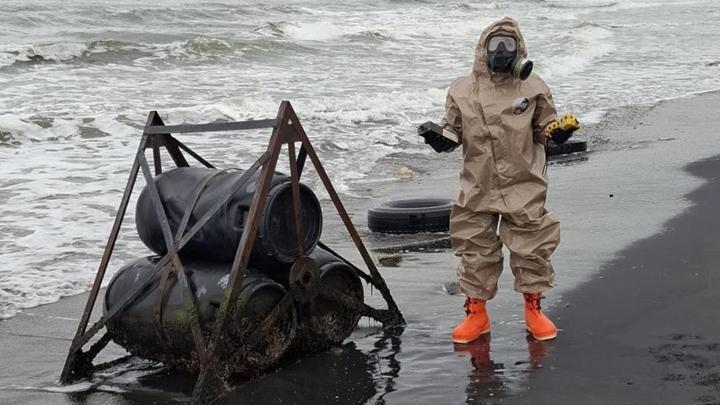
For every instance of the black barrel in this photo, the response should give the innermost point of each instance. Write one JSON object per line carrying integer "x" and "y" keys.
{"x": 137, "y": 330}
{"x": 325, "y": 322}
{"x": 220, "y": 236}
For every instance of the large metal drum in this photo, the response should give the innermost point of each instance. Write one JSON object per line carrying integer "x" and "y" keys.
{"x": 324, "y": 322}
{"x": 137, "y": 329}
{"x": 220, "y": 236}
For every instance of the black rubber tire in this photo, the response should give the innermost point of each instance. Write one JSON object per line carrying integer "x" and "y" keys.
{"x": 411, "y": 216}
{"x": 571, "y": 146}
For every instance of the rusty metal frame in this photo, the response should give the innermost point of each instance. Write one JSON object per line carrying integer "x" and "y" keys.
{"x": 213, "y": 375}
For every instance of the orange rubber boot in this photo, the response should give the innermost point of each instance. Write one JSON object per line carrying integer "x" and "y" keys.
{"x": 476, "y": 322}
{"x": 539, "y": 325}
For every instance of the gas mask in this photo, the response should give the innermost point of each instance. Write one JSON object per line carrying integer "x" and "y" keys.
{"x": 502, "y": 57}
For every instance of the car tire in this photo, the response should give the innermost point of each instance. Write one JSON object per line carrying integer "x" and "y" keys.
{"x": 411, "y": 216}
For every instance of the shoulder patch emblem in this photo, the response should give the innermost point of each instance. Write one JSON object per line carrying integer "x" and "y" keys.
{"x": 520, "y": 105}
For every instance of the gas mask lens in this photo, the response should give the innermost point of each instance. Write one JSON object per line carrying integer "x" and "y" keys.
{"x": 509, "y": 43}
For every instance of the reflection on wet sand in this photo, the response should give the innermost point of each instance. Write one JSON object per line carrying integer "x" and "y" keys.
{"x": 487, "y": 381}
{"x": 343, "y": 375}
{"x": 371, "y": 374}
{"x": 388, "y": 366}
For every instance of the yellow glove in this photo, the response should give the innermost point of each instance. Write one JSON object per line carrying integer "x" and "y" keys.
{"x": 562, "y": 128}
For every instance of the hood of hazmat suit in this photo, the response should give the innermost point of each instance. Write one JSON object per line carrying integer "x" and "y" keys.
{"x": 499, "y": 120}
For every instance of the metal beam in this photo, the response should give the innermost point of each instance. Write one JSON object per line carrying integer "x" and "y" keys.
{"x": 72, "y": 357}
{"x": 192, "y": 153}
{"x": 215, "y": 127}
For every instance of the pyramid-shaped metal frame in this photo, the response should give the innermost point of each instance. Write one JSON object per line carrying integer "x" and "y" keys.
{"x": 212, "y": 379}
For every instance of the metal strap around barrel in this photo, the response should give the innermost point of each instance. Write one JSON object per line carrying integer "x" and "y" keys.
{"x": 188, "y": 298}
{"x": 170, "y": 243}
{"x": 159, "y": 311}
{"x": 220, "y": 203}
{"x": 191, "y": 305}
{"x": 193, "y": 202}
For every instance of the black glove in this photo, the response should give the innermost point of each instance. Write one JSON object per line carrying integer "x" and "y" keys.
{"x": 433, "y": 134}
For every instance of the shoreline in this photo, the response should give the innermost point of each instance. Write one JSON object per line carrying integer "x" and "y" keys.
{"x": 442, "y": 169}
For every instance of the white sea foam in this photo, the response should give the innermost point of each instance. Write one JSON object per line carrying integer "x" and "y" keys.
{"x": 592, "y": 117}
{"x": 56, "y": 51}
{"x": 586, "y": 43}
{"x": 314, "y": 31}
{"x": 109, "y": 51}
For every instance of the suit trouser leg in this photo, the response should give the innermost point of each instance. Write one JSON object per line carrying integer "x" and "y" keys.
{"x": 531, "y": 240}
{"x": 475, "y": 241}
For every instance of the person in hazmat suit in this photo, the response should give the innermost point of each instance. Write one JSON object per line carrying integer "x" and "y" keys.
{"x": 500, "y": 114}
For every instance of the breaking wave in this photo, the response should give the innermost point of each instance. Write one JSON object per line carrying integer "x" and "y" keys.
{"x": 588, "y": 42}
{"x": 115, "y": 51}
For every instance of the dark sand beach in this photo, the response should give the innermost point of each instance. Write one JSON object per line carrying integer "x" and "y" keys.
{"x": 646, "y": 329}
{"x": 636, "y": 311}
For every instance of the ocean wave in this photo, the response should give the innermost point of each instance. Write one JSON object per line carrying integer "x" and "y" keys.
{"x": 153, "y": 15}
{"x": 271, "y": 29}
{"x": 51, "y": 52}
{"x": 579, "y": 5}
{"x": 587, "y": 43}
{"x": 115, "y": 51}
{"x": 410, "y": 1}
{"x": 292, "y": 10}
{"x": 314, "y": 31}
{"x": 377, "y": 36}
{"x": 601, "y": 5}
{"x": 15, "y": 130}
{"x": 322, "y": 30}
{"x": 395, "y": 107}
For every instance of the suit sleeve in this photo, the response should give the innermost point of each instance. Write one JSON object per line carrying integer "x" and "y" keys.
{"x": 545, "y": 113}
{"x": 453, "y": 117}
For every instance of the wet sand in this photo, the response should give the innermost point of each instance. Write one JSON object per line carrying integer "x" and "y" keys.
{"x": 422, "y": 366}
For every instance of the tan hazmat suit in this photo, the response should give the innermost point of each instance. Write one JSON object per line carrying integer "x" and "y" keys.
{"x": 499, "y": 120}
